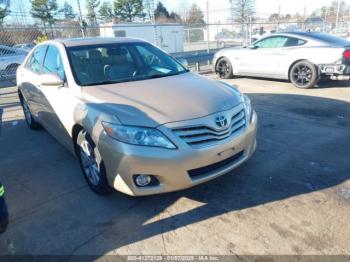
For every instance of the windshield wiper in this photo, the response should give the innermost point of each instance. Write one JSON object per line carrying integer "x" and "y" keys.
{"x": 165, "y": 75}
{"x": 108, "y": 82}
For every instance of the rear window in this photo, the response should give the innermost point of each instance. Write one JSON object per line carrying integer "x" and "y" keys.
{"x": 292, "y": 41}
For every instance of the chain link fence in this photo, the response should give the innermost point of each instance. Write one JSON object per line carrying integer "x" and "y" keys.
{"x": 17, "y": 41}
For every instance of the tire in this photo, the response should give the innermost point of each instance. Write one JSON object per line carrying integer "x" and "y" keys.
{"x": 32, "y": 124}
{"x": 224, "y": 68}
{"x": 91, "y": 164}
{"x": 304, "y": 74}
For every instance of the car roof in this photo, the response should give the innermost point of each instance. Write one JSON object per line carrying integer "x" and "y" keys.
{"x": 317, "y": 36}
{"x": 71, "y": 42}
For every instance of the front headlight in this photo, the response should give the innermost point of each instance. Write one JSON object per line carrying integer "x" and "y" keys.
{"x": 142, "y": 136}
{"x": 248, "y": 108}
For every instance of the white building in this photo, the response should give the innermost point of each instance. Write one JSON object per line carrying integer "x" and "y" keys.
{"x": 169, "y": 37}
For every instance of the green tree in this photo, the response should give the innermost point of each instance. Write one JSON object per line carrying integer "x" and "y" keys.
{"x": 274, "y": 17}
{"x": 4, "y": 10}
{"x": 67, "y": 11}
{"x": 287, "y": 17}
{"x": 91, "y": 11}
{"x": 174, "y": 17}
{"x": 45, "y": 10}
{"x": 128, "y": 10}
{"x": 161, "y": 11}
{"x": 106, "y": 11}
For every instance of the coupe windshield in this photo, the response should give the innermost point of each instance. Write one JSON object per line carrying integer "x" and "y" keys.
{"x": 123, "y": 62}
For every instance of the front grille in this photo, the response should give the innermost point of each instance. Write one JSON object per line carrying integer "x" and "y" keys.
{"x": 205, "y": 135}
{"x": 211, "y": 169}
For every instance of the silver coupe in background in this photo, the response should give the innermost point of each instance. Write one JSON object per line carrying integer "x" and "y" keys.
{"x": 300, "y": 57}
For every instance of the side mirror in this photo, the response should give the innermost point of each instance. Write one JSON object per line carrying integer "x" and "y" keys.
{"x": 51, "y": 80}
{"x": 252, "y": 47}
{"x": 183, "y": 62}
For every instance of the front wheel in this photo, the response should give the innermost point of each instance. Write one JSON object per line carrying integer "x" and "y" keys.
{"x": 92, "y": 164}
{"x": 28, "y": 115}
{"x": 304, "y": 75}
{"x": 224, "y": 68}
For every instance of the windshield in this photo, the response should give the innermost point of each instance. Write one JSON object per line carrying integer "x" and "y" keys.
{"x": 120, "y": 62}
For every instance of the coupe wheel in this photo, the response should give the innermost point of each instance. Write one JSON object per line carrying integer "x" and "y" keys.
{"x": 28, "y": 115}
{"x": 92, "y": 164}
{"x": 304, "y": 75}
{"x": 224, "y": 68}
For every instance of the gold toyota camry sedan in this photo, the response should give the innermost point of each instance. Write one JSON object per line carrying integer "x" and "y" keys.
{"x": 137, "y": 120}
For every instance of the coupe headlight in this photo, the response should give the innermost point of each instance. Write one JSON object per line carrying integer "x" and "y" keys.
{"x": 248, "y": 108}
{"x": 142, "y": 136}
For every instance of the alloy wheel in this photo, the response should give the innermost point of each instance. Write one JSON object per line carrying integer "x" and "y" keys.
{"x": 223, "y": 68}
{"x": 302, "y": 75}
{"x": 89, "y": 163}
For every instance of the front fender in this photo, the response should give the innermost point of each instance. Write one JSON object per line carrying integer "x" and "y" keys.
{"x": 90, "y": 116}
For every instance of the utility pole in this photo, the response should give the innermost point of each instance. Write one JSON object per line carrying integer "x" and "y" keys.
{"x": 153, "y": 21}
{"x": 304, "y": 18}
{"x": 232, "y": 16}
{"x": 325, "y": 20}
{"x": 337, "y": 19}
{"x": 81, "y": 20}
{"x": 278, "y": 18}
{"x": 250, "y": 30}
{"x": 208, "y": 33}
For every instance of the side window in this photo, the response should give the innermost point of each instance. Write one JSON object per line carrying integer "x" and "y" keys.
{"x": 272, "y": 42}
{"x": 53, "y": 62}
{"x": 294, "y": 42}
{"x": 35, "y": 62}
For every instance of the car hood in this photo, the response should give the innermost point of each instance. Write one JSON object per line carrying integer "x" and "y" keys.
{"x": 158, "y": 101}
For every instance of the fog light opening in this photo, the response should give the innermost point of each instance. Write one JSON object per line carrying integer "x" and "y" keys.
{"x": 143, "y": 180}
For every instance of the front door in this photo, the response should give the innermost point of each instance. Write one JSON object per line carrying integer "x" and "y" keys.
{"x": 57, "y": 110}
{"x": 264, "y": 58}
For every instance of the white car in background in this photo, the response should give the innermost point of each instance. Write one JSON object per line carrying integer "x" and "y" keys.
{"x": 300, "y": 57}
{"x": 10, "y": 59}
{"x": 25, "y": 46}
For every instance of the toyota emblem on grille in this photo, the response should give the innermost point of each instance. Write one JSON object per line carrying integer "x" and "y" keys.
{"x": 221, "y": 121}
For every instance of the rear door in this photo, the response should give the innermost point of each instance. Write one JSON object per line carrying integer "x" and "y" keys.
{"x": 30, "y": 86}
{"x": 264, "y": 57}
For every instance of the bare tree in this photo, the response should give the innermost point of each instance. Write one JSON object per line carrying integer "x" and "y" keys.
{"x": 20, "y": 9}
{"x": 242, "y": 10}
{"x": 147, "y": 6}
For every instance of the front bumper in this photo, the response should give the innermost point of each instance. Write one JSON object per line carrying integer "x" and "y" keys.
{"x": 171, "y": 167}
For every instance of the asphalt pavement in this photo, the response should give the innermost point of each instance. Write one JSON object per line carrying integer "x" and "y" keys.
{"x": 292, "y": 197}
